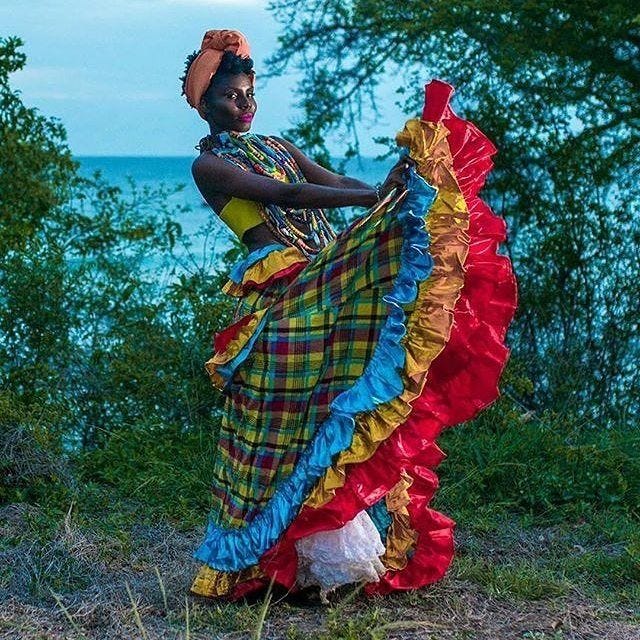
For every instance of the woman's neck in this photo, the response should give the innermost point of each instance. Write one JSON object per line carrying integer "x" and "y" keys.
{"x": 217, "y": 131}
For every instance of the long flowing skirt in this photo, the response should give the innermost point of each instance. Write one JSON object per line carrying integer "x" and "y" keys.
{"x": 340, "y": 373}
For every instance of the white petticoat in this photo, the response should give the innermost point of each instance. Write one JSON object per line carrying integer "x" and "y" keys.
{"x": 341, "y": 556}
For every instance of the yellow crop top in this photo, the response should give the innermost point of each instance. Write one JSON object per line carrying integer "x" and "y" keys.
{"x": 241, "y": 215}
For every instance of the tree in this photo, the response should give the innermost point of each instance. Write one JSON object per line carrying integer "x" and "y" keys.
{"x": 36, "y": 167}
{"x": 556, "y": 86}
{"x": 99, "y": 325}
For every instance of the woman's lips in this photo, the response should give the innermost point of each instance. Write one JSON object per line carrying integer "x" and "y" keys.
{"x": 248, "y": 117}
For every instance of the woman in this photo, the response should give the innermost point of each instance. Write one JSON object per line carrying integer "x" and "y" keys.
{"x": 348, "y": 354}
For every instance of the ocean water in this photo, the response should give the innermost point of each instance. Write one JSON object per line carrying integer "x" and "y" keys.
{"x": 172, "y": 171}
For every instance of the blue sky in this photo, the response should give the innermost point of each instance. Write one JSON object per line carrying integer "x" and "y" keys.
{"x": 110, "y": 70}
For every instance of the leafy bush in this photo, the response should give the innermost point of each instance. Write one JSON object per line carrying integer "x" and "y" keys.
{"x": 552, "y": 464}
{"x": 100, "y": 319}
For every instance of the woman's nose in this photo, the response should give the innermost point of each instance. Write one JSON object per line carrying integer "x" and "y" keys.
{"x": 242, "y": 103}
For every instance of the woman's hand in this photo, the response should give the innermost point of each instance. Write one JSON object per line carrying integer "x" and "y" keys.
{"x": 397, "y": 177}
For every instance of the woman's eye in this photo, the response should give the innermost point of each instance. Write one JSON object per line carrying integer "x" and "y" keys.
{"x": 232, "y": 96}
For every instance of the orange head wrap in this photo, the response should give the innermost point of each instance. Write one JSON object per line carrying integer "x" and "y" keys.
{"x": 206, "y": 63}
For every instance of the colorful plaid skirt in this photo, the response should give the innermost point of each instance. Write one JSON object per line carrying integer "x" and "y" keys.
{"x": 341, "y": 371}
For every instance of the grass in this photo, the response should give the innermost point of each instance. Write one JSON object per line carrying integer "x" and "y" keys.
{"x": 547, "y": 543}
{"x": 511, "y": 554}
{"x": 75, "y": 571}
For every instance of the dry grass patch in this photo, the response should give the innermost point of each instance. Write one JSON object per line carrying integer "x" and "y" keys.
{"x": 82, "y": 583}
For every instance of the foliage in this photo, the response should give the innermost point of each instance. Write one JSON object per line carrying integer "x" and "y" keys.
{"x": 550, "y": 465}
{"x": 36, "y": 167}
{"x": 100, "y": 319}
{"x": 107, "y": 421}
{"x": 556, "y": 86}
{"x": 31, "y": 465}
{"x": 163, "y": 465}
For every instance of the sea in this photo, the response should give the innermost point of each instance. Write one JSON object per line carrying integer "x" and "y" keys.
{"x": 192, "y": 212}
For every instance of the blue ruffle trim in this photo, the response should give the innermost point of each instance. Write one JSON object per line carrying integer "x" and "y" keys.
{"x": 236, "y": 549}
{"x": 237, "y": 271}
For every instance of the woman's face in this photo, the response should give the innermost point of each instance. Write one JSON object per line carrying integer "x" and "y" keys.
{"x": 230, "y": 103}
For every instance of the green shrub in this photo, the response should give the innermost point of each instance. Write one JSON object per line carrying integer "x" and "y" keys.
{"x": 550, "y": 465}
{"x": 163, "y": 467}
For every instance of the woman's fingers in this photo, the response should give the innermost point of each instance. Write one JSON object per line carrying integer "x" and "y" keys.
{"x": 397, "y": 177}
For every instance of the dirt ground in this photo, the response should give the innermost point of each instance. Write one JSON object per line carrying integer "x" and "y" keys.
{"x": 80, "y": 585}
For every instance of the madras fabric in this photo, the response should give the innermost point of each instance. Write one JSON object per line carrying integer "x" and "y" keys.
{"x": 321, "y": 422}
{"x": 322, "y": 330}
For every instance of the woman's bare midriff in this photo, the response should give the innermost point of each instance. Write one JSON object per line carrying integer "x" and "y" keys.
{"x": 259, "y": 236}
{"x": 254, "y": 238}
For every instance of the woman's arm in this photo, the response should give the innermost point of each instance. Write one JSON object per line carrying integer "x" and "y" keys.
{"x": 316, "y": 174}
{"x": 319, "y": 175}
{"x": 215, "y": 176}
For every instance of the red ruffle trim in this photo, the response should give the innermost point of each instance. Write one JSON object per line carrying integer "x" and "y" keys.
{"x": 288, "y": 272}
{"x": 224, "y": 337}
{"x": 462, "y": 380}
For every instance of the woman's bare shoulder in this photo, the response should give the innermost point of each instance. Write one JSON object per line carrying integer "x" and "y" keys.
{"x": 214, "y": 175}
{"x": 206, "y": 176}
{"x": 207, "y": 164}
{"x": 211, "y": 174}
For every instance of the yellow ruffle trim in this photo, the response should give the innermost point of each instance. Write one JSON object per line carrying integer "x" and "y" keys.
{"x": 401, "y": 538}
{"x": 262, "y": 270}
{"x": 232, "y": 349}
{"x": 212, "y": 583}
{"x": 431, "y": 316}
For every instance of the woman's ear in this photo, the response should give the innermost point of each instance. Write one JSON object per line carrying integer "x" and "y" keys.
{"x": 203, "y": 110}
